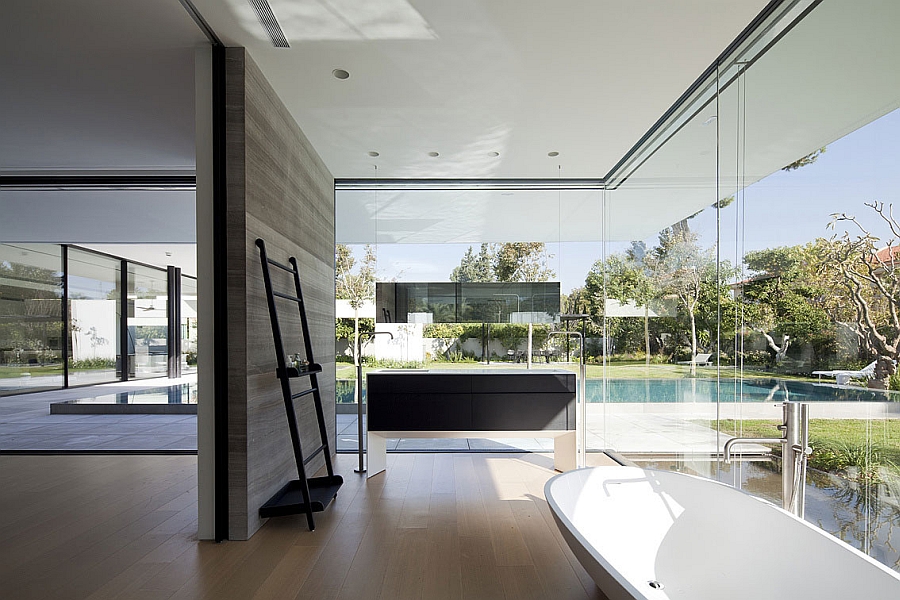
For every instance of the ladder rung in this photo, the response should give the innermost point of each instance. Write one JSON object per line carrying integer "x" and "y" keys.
{"x": 303, "y": 393}
{"x": 288, "y": 297}
{"x": 280, "y": 266}
{"x": 314, "y": 453}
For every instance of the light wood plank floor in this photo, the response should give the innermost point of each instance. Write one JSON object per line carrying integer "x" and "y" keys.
{"x": 434, "y": 526}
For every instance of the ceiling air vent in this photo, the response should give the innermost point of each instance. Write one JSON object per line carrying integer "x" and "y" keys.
{"x": 270, "y": 23}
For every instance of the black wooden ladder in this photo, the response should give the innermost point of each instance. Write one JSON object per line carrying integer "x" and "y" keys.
{"x": 306, "y": 494}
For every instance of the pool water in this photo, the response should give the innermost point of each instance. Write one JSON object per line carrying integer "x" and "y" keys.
{"x": 711, "y": 390}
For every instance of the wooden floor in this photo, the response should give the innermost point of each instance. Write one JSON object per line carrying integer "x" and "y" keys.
{"x": 434, "y": 526}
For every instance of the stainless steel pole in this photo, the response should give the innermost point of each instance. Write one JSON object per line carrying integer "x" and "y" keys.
{"x": 359, "y": 405}
{"x": 582, "y": 459}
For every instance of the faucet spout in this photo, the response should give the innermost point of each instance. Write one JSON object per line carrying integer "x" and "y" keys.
{"x": 735, "y": 441}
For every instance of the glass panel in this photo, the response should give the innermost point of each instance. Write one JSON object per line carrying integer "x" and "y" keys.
{"x": 657, "y": 288}
{"x": 811, "y": 166}
{"x": 483, "y": 291}
{"x": 30, "y": 317}
{"x": 94, "y": 323}
{"x": 188, "y": 325}
{"x": 147, "y": 321}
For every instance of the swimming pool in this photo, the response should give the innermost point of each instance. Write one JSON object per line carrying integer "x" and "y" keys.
{"x": 727, "y": 390}
{"x": 171, "y": 399}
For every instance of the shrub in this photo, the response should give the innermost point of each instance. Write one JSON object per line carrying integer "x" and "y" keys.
{"x": 93, "y": 363}
{"x": 391, "y": 364}
{"x": 894, "y": 382}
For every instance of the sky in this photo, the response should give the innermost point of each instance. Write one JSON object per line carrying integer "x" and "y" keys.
{"x": 784, "y": 209}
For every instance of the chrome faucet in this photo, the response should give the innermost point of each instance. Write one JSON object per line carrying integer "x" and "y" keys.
{"x": 795, "y": 450}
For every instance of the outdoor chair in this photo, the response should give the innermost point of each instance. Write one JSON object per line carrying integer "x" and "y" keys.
{"x": 844, "y": 377}
{"x": 701, "y": 360}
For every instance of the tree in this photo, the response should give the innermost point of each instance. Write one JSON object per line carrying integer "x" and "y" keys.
{"x": 475, "y": 267}
{"x": 523, "y": 261}
{"x": 624, "y": 278}
{"x": 356, "y": 286}
{"x": 870, "y": 275}
{"x": 785, "y": 294}
{"x": 680, "y": 268}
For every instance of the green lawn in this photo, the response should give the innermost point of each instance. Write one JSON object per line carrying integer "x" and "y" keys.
{"x": 35, "y": 370}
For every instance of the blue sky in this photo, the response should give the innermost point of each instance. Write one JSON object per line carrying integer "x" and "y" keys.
{"x": 783, "y": 209}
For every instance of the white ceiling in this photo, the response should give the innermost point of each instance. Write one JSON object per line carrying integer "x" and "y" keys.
{"x": 790, "y": 102}
{"x": 97, "y": 84}
{"x": 470, "y": 77}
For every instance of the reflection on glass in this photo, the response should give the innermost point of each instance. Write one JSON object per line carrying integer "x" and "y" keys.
{"x": 30, "y": 317}
{"x": 188, "y": 324}
{"x": 147, "y": 322}
{"x": 519, "y": 302}
{"x": 94, "y": 308}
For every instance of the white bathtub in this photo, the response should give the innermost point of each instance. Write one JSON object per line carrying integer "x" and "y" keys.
{"x": 635, "y": 528}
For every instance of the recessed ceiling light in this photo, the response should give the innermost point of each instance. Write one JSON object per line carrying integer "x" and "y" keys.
{"x": 340, "y": 74}
{"x": 553, "y": 153}
{"x": 373, "y": 154}
{"x": 493, "y": 154}
{"x": 434, "y": 154}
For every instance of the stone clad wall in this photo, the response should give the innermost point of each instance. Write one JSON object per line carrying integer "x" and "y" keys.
{"x": 278, "y": 190}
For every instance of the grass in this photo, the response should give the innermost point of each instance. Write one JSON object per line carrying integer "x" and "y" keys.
{"x": 35, "y": 370}
{"x": 838, "y": 444}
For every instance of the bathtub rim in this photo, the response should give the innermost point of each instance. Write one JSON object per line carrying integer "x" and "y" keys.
{"x": 624, "y": 585}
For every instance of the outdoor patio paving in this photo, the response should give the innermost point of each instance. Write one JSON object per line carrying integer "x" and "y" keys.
{"x": 27, "y": 425}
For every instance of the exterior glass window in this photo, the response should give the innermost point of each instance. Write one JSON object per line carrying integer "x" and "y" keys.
{"x": 94, "y": 318}
{"x": 147, "y": 322}
{"x": 30, "y": 317}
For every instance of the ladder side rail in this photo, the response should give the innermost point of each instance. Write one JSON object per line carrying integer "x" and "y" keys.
{"x": 307, "y": 342}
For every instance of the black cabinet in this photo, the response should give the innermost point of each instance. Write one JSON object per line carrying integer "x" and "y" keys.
{"x": 471, "y": 401}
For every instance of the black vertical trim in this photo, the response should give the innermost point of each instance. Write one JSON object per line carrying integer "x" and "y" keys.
{"x": 124, "y": 362}
{"x": 220, "y": 291}
{"x": 173, "y": 313}
{"x": 64, "y": 342}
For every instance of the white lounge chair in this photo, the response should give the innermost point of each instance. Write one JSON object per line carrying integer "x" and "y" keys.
{"x": 699, "y": 360}
{"x": 844, "y": 377}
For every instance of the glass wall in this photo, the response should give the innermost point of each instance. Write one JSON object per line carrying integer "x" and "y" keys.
{"x": 31, "y": 334}
{"x": 147, "y": 322}
{"x": 94, "y": 300}
{"x": 744, "y": 256}
{"x": 773, "y": 263}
